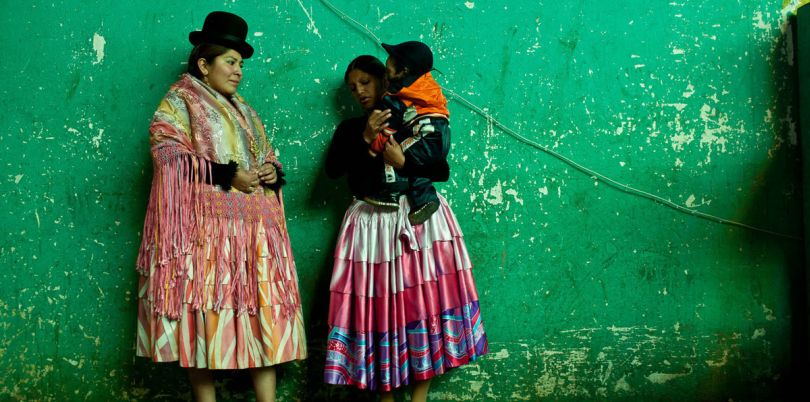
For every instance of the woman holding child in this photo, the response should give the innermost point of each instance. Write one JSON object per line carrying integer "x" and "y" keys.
{"x": 403, "y": 306}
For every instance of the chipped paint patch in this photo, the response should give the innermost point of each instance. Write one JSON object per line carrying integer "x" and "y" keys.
{"x": 98, "y": 46}
{"x": 768, "y": 313}
{"x": 514, "y": 194}
{"x": 501, "y": 354}
{"x": 495, "y": 194}
{"x": 759, "y": 21}
{"x": 660, "y": 378}
{"x": 622, "y": 385}
{"x": 714, "y": 123}
{"x": 758, "y": 333}
{"x": 719, "y": 363}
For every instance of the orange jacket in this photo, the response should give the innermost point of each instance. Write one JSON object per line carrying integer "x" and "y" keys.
{"x": 422, "y": 97}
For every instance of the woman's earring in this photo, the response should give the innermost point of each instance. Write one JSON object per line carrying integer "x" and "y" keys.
{"x": 205, "y": 80}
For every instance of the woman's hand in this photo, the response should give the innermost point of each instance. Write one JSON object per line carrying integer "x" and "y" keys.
{"x": 268, "y": 174}
{"x": 245, "y": 181}
{"x": 393, "y": 154}
{"x": 377, "y": 120}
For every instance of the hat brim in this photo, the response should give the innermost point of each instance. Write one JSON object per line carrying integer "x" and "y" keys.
{"x": 244, "y": 49}
{"x": 391, "y": 52}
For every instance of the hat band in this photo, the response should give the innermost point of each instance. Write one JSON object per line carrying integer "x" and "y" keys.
{"x": 224, "y": 38}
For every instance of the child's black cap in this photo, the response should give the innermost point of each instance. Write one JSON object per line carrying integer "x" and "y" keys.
{"x": 413, "y": 54}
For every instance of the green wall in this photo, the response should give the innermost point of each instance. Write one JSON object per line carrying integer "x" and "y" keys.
{"x": 588, "y": 292}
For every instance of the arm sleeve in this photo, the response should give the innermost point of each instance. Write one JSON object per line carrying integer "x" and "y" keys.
{"x": 428, "y": 156}
{"x": 222, "y": 174}
{"x": 346, "y": 147}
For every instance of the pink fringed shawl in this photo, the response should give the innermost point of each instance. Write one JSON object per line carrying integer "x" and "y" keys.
{"x": 191, "y": 222}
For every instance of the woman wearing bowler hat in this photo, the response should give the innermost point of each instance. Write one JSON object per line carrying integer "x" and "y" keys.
{"x": 218, "y": 287}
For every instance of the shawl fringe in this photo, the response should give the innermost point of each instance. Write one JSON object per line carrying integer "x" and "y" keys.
{"x": 191, "y": 223}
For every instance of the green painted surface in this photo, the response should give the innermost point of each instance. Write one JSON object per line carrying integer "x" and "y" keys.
{"x": 587, "y": 292}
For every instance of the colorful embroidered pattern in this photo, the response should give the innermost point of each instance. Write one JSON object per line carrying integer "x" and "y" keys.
{"x": 218, "y": 286}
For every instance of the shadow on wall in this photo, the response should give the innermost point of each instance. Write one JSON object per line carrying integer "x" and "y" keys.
{"x": 774, "y": 202}
{"x": 334, "y": 197}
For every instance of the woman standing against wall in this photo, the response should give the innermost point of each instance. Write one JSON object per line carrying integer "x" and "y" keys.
{"x": 218, "y": 286}
{"x": 403, "y": 305}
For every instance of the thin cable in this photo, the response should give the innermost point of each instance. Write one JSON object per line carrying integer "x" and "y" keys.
{"x": 346, "y": 17}
{"x": 594, "y": 174}
{"x": 613, "y": 183}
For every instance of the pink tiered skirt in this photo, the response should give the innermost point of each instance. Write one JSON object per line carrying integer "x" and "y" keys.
{"x": 403, "y": 300}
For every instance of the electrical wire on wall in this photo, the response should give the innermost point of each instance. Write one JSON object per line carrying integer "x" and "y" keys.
{"x": 590, "y": 172}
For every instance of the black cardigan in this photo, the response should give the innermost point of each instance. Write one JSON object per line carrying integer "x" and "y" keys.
{"x": 348, "y": 155}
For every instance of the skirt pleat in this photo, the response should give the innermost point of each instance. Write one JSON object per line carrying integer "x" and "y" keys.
{"x": 403, "y": 302}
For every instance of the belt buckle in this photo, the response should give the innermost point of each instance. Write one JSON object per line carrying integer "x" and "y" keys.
{"x": 381, "y": 203}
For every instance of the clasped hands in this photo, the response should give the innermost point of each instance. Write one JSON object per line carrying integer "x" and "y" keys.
{"x": 377, "y": 121}
{"x": 247, "y": 181}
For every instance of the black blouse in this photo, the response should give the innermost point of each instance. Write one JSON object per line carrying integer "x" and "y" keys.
{"x": 348, "y": 155}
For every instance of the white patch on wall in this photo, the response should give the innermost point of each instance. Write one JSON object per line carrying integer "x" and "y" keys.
{"x": 502, "y": 354}
{"x": 714, "y": 123}
{"x": 690, "y": 90}
{"x": 759, "y": 21}
{"x": 678, "y": 106}
{"x": 622, "y": 385}
{"x": 97, "y": 139}
{"x": 495, "y": 194}
{"x": 681, "y": 138}
{"x": 469, "y": 4}
{"x": 257, "y": 34}
{"x": 98, "y": 46}
{"x": 536, "y": 45}
{"x": 792, "y": 134}
{"x": 514, "y": 194}
{"x": 758, "y": 333}
{"x": 719, "y": 363}
{"x": 690, "y": 202}
{"x": 768, "y": 313}
{"x": 660, "y": 378}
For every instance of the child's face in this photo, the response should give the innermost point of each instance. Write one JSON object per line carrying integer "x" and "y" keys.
{"x": 366, "y": 88}
{"x": 391, "y": 72}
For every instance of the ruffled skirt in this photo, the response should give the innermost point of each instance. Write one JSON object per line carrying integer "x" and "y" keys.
{"x": 403, "y": 303}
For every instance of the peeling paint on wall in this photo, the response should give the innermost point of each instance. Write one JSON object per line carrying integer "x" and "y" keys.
{"x": 587, "y": 293}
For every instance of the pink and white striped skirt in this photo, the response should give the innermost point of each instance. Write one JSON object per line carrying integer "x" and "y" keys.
{"x": 403, "y": 300}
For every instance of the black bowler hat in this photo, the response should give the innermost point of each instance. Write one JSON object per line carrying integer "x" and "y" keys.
{"x": 413, "y": 54}
{"x": 225, "y": 29}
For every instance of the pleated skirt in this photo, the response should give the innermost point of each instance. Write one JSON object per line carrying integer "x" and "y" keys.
{"x": 403, "y": 304}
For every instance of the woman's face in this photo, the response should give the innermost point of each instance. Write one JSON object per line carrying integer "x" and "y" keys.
{"x": 366, "y": 88}
{"x": 224, "y": 73}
